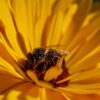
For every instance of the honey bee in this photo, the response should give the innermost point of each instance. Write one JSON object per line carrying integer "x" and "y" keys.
{"x": 41, "y": 59}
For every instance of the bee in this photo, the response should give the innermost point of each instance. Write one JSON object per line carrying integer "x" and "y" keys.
{"x": 41, "y": 59}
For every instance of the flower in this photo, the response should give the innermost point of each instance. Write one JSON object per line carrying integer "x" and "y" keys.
{"x": 66, "y": 25}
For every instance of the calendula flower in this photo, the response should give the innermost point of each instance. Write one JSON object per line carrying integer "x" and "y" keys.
{"x": 49, "y": 49}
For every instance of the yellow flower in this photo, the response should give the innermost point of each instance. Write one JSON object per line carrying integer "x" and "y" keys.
{"x": 70, "y": 29}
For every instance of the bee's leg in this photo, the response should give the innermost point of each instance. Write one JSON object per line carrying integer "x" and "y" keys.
{"x": 39, "y": 62}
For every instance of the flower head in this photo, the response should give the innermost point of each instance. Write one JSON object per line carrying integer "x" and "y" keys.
{"x": 49, "y": 49}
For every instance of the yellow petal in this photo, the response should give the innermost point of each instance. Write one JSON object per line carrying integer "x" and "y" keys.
{"x": 80, "y": 91}
{"x": 31, "y": 17}
{"x": 48, "y": 30}
{"x": 22, "y": 91}
{"x": 52, "y": 29}
{"x": 66, "y": 96}
{"x": 52, "y": 73}
{"x": 86, "y": 86}
{"x": 69, "y": 16}
{"x": 85, "y": 32}
{"x": 32, "y": 75}
{"x": 71, "y": 53}
{"x": 85, "y": 48}
{"x": 13, "y": 95}
{"x": 21, "y": 20}
{"x": 9, "y": 27}
{"x": 68, "y": 78}
{"x": 31, "y": 98}
{"x": 6, "y": 66}
{"x": 89, "y": 18}
{"x": 7, "y": 53}
{"x": 1, "y": 97}
{"x": 72, "y": 29}
{"x": 7, "y": 58}
{"x": 6, "y": 41}
{"x": 61, "y": 5}
{"x": 43, "y": 95}
{"x": 44, "y": 13}
{"x": 56, "y": 33}
{"x": 87, "y": 75}
{"x": 34, "y": 78}
{"x": 93, "y": 57}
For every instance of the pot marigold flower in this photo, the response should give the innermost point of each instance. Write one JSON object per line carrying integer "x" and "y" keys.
{"x": 49, "y": 49}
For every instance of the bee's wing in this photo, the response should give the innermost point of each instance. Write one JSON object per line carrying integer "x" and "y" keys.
{"x": 63, "y": 52}
{"x": 58, "y": 48}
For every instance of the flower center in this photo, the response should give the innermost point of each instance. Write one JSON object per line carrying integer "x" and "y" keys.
{"x": 48, "y": 65}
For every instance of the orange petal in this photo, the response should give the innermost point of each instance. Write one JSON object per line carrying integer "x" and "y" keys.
{"x": 53, "y": 95}
{"x": 7, "y": 81}
{"x": 21, "y": 91}
{"x": 83, "y": 97}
